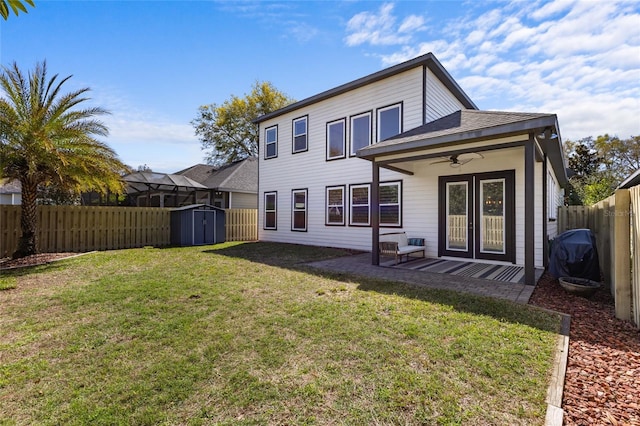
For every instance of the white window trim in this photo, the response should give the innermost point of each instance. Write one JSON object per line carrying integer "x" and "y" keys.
{"x": 328, "y": 206}
{"x": 305, "y": 134}
{"x": 275, "y": 210}
{"x": 399, "y": 204}
{"x": 342, "y": 121}
{"x": 552, "y": 197}
{"x": 304, "y": 209}
{"x": 368, "y": 205}
{"x": 379, "y": 111}
{"x": 266, "y": 143}
{"x": 351, "y": 127}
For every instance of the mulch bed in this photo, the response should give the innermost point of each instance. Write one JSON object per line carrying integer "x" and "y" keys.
{"x": 33, "y": 260}
{"x": 602, "y": 384}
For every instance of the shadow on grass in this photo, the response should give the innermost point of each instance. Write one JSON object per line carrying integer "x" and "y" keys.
{"x": 296, "y": 257}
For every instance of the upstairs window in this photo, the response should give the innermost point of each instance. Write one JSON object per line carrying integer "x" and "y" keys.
{"x": 360, "y": 131}
{"x": 270, "y": 210}
{"x": 300, "y": 134}
{"x": 271, "y": 142}
{"x": 336, "y": 139}
{"x": 299, "y": 210}
{"x": 389, "y": 121}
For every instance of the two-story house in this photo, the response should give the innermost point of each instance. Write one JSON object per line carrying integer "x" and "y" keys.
{"x": 406, "y": 149}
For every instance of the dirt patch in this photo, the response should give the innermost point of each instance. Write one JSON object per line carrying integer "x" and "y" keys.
{"x": 603, "y": 371}
{"x": 33, "y": 260}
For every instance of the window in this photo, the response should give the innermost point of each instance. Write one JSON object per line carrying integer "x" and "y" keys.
{"x": 300, "y": 134}
{"x": 552, "y": 197}
{"x": 336, "y": 139}
{"x": 389, "y": 121}
{"x": 270, "y": 210}
{"x": 299, "y": 210}
{"x": 271, "y": 142}
{"x": 335, "y": 205}
{"x": 360, "y": 201}
{"x": 390, "y": 204}
{"x": 360, "y": 131}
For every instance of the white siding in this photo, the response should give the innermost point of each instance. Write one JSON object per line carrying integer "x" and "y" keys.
{"x": 310, "y": 170}
{"x": 440, "y": 101}
{"x": 241, "y": 200}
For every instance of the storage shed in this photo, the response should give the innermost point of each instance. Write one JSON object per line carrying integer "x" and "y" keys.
{"x": 197, "y": 224}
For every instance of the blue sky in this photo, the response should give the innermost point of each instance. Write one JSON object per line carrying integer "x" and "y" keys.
{"x": 153, "y": 63}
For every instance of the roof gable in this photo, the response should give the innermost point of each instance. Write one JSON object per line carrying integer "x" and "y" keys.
{"x": 239, "y": 176}
{"x": 428, "y": 60}
{"x": 198, "y": 172}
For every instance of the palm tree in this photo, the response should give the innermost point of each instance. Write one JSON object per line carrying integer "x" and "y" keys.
{"x": 16, "y": 5}
{"x": 46, "y": 140}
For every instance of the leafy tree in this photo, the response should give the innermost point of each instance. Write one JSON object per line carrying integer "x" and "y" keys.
{"x": 45, "y": 140}
{"x": 598, "y": 187}
{"x": 584, "y": 162}
{"x": 16, "y": 6}
{"x": 599, "y": 166}
{"x": 56, "y": 196}
{"x": 227, "y": 131}
{"x": 620, "y": 157}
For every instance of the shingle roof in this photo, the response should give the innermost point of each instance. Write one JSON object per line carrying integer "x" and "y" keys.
{"x": 239, "y": 176}
{"x": 198, "y": 172}
{"x": 470, "y": 126}
{"x": 632, "y": 180}
{"x": 462, "y": 126}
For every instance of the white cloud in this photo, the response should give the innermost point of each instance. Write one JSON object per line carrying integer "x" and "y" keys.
{"x": 412, "y": 23}
{"x": 579, "y": 59}
{"x": 379, "y": 28}
{"x": 552, "y": 8}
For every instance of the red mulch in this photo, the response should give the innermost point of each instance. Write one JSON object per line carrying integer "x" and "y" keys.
{"x": 602, "y": 385}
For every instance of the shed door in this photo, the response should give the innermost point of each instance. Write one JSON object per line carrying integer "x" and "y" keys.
{"x": 204, "y": 227}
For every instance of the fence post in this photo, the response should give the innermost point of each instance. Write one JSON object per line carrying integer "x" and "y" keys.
{"x": 621, "y": 258}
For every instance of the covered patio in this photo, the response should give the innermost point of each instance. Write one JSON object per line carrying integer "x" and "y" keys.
{"x": 491, "y": 210}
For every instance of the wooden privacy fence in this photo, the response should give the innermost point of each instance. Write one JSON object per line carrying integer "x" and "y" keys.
{"x": 615, "y": 223}
{"x": 242, "y": 224}
{"x": 87, "y": 228}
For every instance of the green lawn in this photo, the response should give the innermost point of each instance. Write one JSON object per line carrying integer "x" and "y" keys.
{"x": 245, "y": 334}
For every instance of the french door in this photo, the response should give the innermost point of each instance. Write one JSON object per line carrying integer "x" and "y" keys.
{"x": 476, "y": 216}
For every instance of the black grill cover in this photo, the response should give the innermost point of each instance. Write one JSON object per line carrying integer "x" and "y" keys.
{"x": 574, "y": 254}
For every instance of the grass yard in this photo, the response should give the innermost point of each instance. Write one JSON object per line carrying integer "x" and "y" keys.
{"x": 245, "y": 334}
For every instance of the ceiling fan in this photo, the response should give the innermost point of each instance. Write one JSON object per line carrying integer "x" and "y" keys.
{"x": 457, "y": 160}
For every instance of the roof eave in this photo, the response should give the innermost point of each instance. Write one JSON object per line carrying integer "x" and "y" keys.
{"x": 552, "y": 147}
{"x": 505, "y": 130}
{"x": 428, "y": 60}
